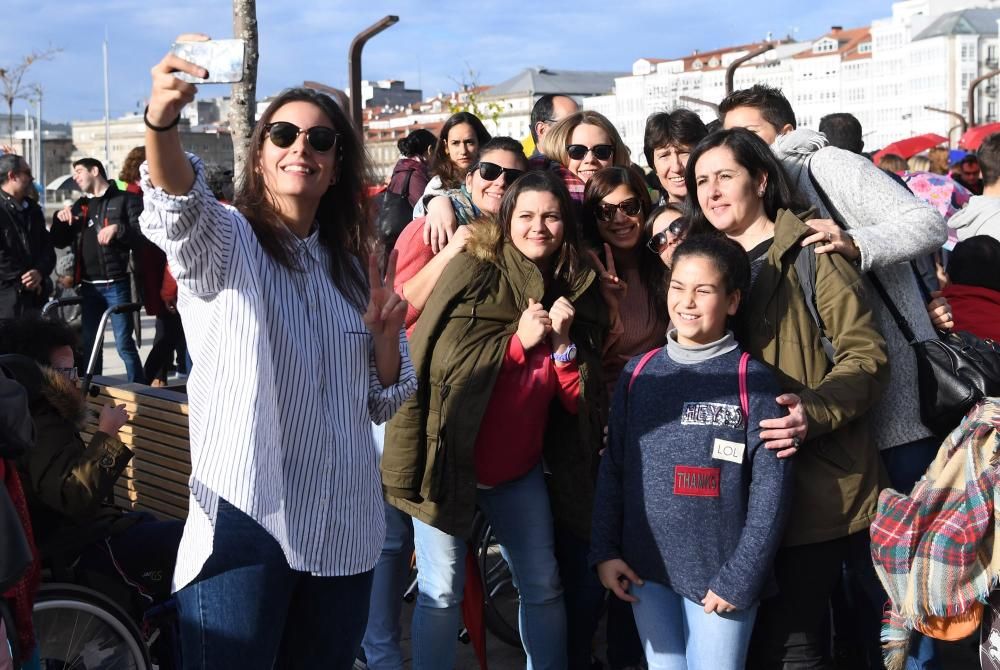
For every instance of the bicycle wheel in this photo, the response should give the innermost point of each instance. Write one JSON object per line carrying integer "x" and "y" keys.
{"x": 79, "y": 629}
{"x": 502, "y": 600}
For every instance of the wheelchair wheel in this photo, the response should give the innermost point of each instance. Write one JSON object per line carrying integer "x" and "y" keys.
{"x": 79, "y": 629}
{"x": 502, "y": 600}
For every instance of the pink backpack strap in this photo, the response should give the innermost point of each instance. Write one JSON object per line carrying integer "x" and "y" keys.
{"x": 744, "y": 395}
{"x": 642, "y": 363}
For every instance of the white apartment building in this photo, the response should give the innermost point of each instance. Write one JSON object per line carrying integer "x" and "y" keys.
{"x": 925, "y": 54}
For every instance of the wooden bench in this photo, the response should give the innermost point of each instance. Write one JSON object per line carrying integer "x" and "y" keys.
{"x": 156, "y": 479}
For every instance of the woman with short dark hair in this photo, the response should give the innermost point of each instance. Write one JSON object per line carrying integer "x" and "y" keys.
{"x": 737, "y": 188}
{"x": 667, "y": 144}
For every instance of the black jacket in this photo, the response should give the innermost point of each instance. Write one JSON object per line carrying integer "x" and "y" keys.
{"x": 94, "y": 261}
{"x": 24, "y": 242}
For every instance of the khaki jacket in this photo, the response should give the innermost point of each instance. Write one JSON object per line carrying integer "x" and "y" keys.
{"x": 837, "y": 469}
{"x": 457, "y": 349}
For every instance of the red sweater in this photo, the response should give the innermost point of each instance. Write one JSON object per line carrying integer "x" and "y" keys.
{"x": 509, "y": 443}
{"x": 976, "y": 310}
{"x": 412, "y": 256}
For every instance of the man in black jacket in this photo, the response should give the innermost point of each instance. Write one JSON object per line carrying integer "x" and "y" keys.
{"x": 102, "y": 230}
{"x": 26, "y": 254}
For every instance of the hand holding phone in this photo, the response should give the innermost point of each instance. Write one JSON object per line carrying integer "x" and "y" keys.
{"x": 223, "y": 59}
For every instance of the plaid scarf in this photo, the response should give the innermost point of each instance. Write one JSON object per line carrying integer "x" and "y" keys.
{"x": 936, "y": 551}
{"x": 21, "y": 596}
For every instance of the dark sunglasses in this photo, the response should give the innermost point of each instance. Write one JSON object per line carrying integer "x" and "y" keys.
{"x": 492, "y": 172}
{"x": 283, "y": 134}
{"x": 602, "y": 152}
{"x": 677, "y": 228}
{"x": 605, "y": 211}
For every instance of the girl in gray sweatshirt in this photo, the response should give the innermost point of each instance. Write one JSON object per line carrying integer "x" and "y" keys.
{"x": 690, "y": 505}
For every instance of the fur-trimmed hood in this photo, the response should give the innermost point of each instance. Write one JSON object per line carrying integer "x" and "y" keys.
{"x": 45, "y": 386}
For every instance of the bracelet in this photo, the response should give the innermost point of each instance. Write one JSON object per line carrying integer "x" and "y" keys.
{"x": 158, "y": 129}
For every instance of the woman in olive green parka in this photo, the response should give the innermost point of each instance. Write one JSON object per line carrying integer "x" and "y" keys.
{"x": 464, "y": 343}
{"x": 742, "y": 192}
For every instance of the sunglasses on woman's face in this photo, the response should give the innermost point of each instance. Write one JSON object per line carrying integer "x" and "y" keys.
{"x": 602, "y": 152}
{"x": 283, "y": 135}
{"x": 492, "y": 172}
{"x": 605, "y": 211}
{"x": 678, "y": 228}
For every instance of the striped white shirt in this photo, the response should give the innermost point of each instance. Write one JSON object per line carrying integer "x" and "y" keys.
{"x": 282, "y": 393}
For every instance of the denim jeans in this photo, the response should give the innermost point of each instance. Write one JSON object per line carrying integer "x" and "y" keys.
{"x": 389, "y": 582}
{"x": 96, "y": 299}
{"x": 248, "y": 610}
{"x": 677, "y": 634}
{"x": 522, "y": 521}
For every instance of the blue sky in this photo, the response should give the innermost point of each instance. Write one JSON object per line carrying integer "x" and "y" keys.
{"x": 435, "y": 43}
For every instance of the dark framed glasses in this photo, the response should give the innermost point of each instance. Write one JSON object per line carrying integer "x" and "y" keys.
{"x": 602, "y": 152}
{"x": 492, "y": 172}
{"x": 678, "y": 228}
{"x": 283, "y": 135}
{"x": 605, "y": 211}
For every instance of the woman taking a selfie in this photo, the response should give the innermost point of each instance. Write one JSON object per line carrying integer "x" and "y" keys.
{"x": 300, "y": 345}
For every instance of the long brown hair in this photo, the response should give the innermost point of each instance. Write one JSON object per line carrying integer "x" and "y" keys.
{"x": 130, "y": 167}
{"x": 566, "y": 267}
{"x": 344, "y": 229}
{"x": 652, "y": 271}
{"x": 441, "y": 164}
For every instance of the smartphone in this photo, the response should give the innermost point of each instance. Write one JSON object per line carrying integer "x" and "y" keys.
{"x": 222, "y": 58}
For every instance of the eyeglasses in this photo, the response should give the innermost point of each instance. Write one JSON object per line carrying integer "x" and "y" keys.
{"x": 602, "y": 152}
{"x": 605, "y": 211}
{"x": 283, "y": 134}
{"x": 492, "y": 172}
{"x": 678, "y": 228}
{"x": 69, "y": 373}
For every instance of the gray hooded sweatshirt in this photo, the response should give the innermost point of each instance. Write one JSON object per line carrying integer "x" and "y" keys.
{"x": 891, "y": 227}
{"x": 980, "y": 217}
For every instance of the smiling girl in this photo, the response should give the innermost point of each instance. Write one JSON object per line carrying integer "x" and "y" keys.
{"x": 690, "y": 505}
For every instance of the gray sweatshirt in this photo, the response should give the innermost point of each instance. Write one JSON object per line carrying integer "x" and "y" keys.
{"x": 891, "y": 227}
{"x": 980, "y": 217}
{"x": 687, "y": 494}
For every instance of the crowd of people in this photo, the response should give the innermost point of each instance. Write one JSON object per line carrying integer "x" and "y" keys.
{"x": 674, "y": 395}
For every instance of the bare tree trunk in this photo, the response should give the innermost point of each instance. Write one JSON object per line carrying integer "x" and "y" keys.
{"x": 243, "y": 104}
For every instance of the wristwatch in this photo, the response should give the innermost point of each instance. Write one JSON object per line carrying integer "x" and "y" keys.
{"x": 567, "y": 356}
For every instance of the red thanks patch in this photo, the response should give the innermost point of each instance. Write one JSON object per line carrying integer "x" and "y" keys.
{"x": 689, "y": 481}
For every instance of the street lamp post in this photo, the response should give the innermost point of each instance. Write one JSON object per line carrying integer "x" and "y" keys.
{"x": 354, "y": 65}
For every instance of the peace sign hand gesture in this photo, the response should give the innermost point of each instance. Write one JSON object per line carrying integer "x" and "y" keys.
{"x": 613, "y": 288}
{"x": 386, "y": 311}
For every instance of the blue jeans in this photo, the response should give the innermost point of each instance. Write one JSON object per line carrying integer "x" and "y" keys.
{"x": 96, "y": 299}
{"x": 381, "y": 641}
{"x": 522, "y": 521}
{"x": 905, "y": 465}
{"x": 248, "y": 610}
{"x": 677, "y": 634}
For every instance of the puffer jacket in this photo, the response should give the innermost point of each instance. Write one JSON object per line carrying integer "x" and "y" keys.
{"x": 66, "y": 480}
{"x": 457, "y": 350}
{"x": 837, "y": 469}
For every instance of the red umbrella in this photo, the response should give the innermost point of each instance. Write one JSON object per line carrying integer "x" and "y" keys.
{"x": 973, "y": 137}
{"x": 911, "y": 146}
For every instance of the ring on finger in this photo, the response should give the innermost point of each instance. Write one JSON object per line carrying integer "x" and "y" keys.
{"x": 829, "y": 236}
{"x": 796, "y": 442}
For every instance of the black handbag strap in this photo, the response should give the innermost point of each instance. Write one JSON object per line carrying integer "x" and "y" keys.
{"x": 897, "y": 316}
{"x": 406, "y": 184}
